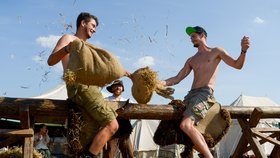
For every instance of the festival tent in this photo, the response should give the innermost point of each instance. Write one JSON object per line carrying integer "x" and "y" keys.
{"x": 142, "y": 138}
{"x": 227, "y": 145}
{"x": 145, "y": 147}
{"x": 60, "y": 93}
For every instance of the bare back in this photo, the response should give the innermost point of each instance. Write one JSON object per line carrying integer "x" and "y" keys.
{"x": 205, "y": 67}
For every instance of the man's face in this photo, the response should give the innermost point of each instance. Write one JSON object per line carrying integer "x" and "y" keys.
{"x": 90, "y": 28}
{"x": 196, "y": 39}
{"x": 117, "y": 90}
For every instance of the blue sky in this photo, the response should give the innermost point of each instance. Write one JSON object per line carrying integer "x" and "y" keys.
{"x": 143, "y": 33}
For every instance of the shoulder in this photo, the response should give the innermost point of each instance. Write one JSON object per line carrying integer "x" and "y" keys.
{"x": 109, "y": 98}
{"x": 68, "y": 37}
{"x": 218, "y": 50}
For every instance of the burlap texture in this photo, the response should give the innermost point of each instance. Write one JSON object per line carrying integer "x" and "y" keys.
{"x": 144, "y": 84}
{"x": 91, "y": 65}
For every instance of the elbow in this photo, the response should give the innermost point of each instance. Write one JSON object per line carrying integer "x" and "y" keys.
{"x": 50, "y": 63}
{"x": 239, "y": 67}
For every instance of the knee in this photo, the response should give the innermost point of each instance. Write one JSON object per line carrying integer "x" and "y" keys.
{"x": 186, "y": 127}
{"x": 113, "y": 126}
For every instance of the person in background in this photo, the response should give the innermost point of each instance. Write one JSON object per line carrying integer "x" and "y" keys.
{"x": 41, "y": 141}
{"x": 204, "y": 64}
{"x": 124, "y": 143}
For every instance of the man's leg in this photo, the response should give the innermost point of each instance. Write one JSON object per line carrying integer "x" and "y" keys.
{"x": 112, "y": 148}
{"x": 187, "y": 125}
{"x": 126, "y": 147}
{"x": 103, "y": 136}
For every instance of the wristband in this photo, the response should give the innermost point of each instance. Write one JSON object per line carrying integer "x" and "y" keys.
{"x": 243, "y": 52}
{"x": 65, "y": 49}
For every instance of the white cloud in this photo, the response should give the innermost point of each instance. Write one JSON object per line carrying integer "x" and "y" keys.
{"x": 38, "y": 59}
{"x": 145, "y": 61}
{"x": 12, "y": 56}
{"x": 258, "y": 20}
{"x": 48, "y": 42}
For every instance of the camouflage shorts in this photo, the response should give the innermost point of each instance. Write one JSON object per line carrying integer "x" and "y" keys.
{"x": 90, "y": 100}
{"x": 197, "y": 102}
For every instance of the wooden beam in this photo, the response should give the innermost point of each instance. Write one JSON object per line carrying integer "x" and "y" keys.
{"x": 16, "y": 132}
{"x": 265, "y": 137}
{"x": 247, "y": 135}
{"x": 55, "y": 111}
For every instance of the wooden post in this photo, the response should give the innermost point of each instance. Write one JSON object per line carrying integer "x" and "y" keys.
{"x": 27, "y": 148}
{"x": 247, "y": 136}
{"x": 276, "y": 150}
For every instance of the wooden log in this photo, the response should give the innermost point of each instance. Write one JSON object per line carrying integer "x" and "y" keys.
{"x": 16, "y": 132}
{"x": 55, "y": 111}
{"x": 41, "y": 110}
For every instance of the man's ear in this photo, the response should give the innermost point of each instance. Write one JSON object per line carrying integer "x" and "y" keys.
{"x": 83, "y": 23}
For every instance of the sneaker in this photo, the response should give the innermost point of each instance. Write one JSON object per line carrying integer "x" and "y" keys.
{"x": 87, "y": 155}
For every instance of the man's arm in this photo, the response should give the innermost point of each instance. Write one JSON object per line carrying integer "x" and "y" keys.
{"x": 180, "y": 76}
{"x": 61, "y": 49}
{"x": 239, "y": 62}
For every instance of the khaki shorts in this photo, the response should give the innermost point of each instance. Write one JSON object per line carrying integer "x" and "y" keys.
{"x": 198, "y": 101}
{"x": 90, "y": 99}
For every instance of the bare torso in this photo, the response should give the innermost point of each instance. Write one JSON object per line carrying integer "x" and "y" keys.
{"x": 205, "y": 67}
{"x": 65, "y": 41}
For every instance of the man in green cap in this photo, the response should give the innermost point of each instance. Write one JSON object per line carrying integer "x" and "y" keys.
{"x": 204, "y": 64}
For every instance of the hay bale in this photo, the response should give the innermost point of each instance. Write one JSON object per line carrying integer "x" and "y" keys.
{"x": 144, "y": 84}
{"x": 16, "y": 152}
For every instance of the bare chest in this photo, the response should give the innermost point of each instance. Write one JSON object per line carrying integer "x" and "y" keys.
{"x": 204, "y": 61}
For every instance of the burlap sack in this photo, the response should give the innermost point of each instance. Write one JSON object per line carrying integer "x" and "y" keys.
{"x": 144, "y": 84}
{"x": 90, "y": 65}
{"x": 213, "y": 127}
{"x": 213, "y": 123}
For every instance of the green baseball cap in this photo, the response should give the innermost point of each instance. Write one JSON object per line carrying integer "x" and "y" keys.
{"x": 196, "y": 29}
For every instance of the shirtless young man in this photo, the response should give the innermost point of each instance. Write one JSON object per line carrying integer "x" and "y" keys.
{"x": 205, "y": 67}
{"x": 87, "y": 97}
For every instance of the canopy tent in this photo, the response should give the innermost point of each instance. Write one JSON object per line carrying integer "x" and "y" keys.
{"x": 142, "y": 138}
{"x": 60, "y": 93}
{"x": 228, "y": 144}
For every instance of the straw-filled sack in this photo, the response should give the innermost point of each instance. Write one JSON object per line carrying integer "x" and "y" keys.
{"x": 144, "y": 83}
{"x": 91, "y": 65}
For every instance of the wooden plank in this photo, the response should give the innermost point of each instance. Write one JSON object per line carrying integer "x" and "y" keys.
{"x": 265, "y": 137}
{"x": 273, "y": 135}
{"x": 9, "y": 141}
{"x": 254, "y": 143}
{"x": 24, "y": 117}
{"x": 247, "y": 135}
{"x": 28, "y": 147}
{"x": 267, "y": 130}
{"x": 276, "y": 150}
{"x": 16, "y": 132}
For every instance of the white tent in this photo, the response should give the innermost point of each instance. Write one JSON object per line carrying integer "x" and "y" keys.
{"x": 142, "y": 138}
{"x": 228, "y": 144}
{"x": 60, "y": 93}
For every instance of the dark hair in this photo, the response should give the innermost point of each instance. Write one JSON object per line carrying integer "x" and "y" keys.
{"x": 85, "y": 16}
{"x": 38, "y": 127}
{"x": 41, "y": 126}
